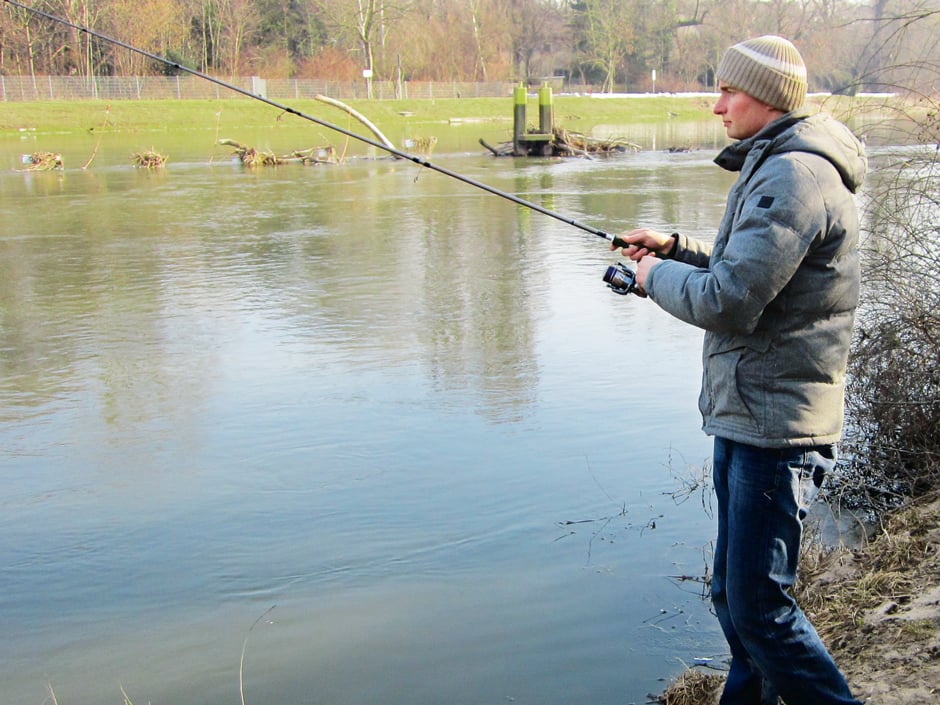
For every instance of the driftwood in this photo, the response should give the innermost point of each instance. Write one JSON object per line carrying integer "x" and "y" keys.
{"x": 575, "y": 141}
{"x": 494, "y": 150}
{"x": 149, "y": 160}
{"x": 42, "y": 161}
{"x": 359, "y": 116}
{"x": 251, "y": 157}
{"x": 565, "y": 144}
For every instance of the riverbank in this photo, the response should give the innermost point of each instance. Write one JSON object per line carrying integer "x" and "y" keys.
{"x": 679, "y": 122}
{"x": 168, "y": 115}
{"x": 571, "y": 111}
{"x": 876, "y": 607}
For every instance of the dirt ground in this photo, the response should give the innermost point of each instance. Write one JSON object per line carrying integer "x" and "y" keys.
{"x": 876, "y": 607}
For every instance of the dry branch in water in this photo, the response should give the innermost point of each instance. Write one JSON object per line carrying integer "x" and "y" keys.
{"x": 251, "y": 157}
{"x": 149, "y": 160}
{"x": 359, "y": 116}
{"x": 565, "y": 143}
{"x": 424, "y": 145}
{"x": 42, "y": 161}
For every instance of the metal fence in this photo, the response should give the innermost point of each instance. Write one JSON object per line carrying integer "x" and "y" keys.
{"x": 188, "y": 87}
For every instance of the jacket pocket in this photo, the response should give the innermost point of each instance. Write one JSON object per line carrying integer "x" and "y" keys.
{"x": 734, "y": 390}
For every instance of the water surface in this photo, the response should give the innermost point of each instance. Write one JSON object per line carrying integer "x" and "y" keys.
{"x": 403, "y": 413}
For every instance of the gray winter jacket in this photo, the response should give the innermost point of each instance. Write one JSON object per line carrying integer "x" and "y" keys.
{"x": 777, "y": 292}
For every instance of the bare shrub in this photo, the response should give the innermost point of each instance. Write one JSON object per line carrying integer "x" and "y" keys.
{"x": 893, "y": 395}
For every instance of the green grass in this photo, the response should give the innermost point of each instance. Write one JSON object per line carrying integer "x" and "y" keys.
{"x": 166, "y": 115}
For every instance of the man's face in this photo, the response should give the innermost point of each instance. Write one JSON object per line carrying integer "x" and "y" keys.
{"x": 742, "y": 115}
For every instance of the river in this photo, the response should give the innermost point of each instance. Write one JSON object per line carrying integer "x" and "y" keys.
{"x": 353, "y": 434}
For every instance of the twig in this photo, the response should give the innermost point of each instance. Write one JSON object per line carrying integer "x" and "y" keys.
{"x": 52, "y": 694}
{"x": 127, "y": 700}
{"x": 94, "y": 152}
{"x": 241, "y": 663}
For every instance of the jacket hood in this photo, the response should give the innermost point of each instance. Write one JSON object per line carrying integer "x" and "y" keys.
{"x": 799, "y": 131}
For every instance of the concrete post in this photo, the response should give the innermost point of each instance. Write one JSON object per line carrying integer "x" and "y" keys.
{"x": 518, "y": 120}
{"x": 546, "y": 119}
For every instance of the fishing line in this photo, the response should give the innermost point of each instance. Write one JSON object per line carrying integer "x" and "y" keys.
{"x": 323, "y": 123}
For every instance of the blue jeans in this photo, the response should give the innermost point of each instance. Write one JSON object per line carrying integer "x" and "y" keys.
{"x": 763, "y": 496}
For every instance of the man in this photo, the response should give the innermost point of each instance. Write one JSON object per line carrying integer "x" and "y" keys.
{"x": 776, "y": 294}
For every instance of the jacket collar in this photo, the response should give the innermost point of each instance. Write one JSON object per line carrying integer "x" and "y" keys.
{"x": 734, "y": 155}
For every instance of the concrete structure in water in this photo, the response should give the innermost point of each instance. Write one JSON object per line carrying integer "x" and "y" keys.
{"x": 539, "y": 143}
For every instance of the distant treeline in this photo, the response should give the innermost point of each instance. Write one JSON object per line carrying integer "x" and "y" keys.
{"x": 618, "y": 45}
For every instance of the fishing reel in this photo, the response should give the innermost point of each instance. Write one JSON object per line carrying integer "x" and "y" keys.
{"x": 621, "y": 279}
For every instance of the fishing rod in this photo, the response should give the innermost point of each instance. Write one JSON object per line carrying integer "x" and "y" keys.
{"x": 618, "y": 242}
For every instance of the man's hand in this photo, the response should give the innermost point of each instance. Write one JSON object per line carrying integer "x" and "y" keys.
{"x": 643, "y": 267}
{"x": 643, "y": 241}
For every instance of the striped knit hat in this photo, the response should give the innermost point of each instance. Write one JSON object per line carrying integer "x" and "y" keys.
{"x": 768, "y": 68}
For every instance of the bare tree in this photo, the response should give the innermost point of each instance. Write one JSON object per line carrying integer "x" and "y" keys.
{"x": 23, "y": 23}
{"x": 82, "y": 56}
{"x": 531, "y": 28}
{"x": 606, "y": 29}
{"x": 478, "y": 39}
{"x": 238, "y": 22}
{"x": 153, "y": 25}
{"x": 368, "y": 21}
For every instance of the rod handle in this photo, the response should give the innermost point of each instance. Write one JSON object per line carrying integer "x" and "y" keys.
{"x": 619, "y": 242}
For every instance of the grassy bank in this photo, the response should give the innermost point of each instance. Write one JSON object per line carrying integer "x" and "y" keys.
{"x": 148, "y": 116}
{"x": 394, "y": 117}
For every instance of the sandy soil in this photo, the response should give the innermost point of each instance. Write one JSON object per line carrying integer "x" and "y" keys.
{"x": 888, "y": 640}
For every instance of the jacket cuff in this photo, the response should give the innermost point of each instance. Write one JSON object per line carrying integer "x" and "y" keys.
{"x": 673, "y": 247}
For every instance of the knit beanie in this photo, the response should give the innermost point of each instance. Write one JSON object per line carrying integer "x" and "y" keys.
{"x": 768, "y": 68}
